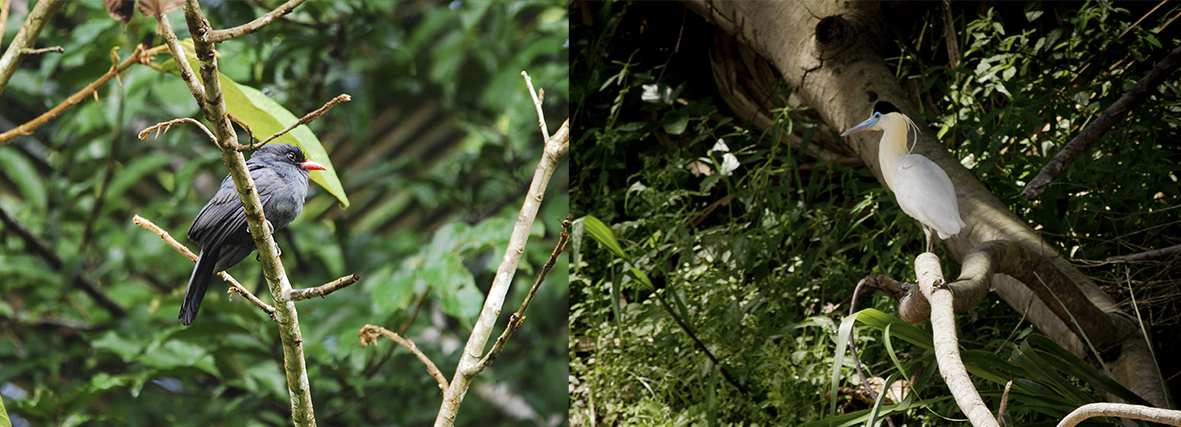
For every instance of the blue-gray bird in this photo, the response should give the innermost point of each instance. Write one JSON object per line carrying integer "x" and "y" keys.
{"x": 280, "y": 174}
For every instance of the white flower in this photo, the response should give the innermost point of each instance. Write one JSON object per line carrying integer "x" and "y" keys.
{"x": 657, "y": 93}
{"x": 729, "y": 163}
{"x": 720, "y": 146}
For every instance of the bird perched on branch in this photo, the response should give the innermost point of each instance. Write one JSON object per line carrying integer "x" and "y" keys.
{"x": 280, "y": 173}
{"x": 921, "y": 187}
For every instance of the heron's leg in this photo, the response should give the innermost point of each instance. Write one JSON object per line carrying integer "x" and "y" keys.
{"x": 930, "y": 238}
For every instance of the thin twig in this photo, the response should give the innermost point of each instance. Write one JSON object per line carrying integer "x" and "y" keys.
{"x": 325, "y": 289}
{"x": 303, "y": 120}
{"x": 252, "y": 26}
{"x": 1146, "y": 255}
{"x": 162, "y": 128}
{"x": 369, "y": 334}
{"x": 536, "y": 104}
{"x": 28, "y": 51}
{"x": 515, "y": 321}
{"x": 184, "y": 250}
{"x": 375, "y": 364}
{"x": 27, "y": 127}
{"x": 3, "y": 17}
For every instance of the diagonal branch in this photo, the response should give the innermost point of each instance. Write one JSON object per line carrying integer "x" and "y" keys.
{"x": 27, "y": 127}
{"x": 184, "y": 250}
{"x": 252, "y": 26}
{"x": 1085, "y": 138}
{"x": 325, "y": 289}
{"x": 369, "y": 334}
{"x": 25, "y": 38}
{"x": 557, "y": 147}
{"x": 515, "y": 321}
{"x": 307, "y": 118}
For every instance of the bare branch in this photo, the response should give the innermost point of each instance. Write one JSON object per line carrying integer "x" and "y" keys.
{"x": 556, "y": 149}
{"x": 27, "y": 35}
{"x": 178, "y": 56}
{"x": 28, "y": 51}
{"x": 303, "y": 120}
{"x": 252, "y": 26}
{"x": 325, "y": 289}
{"x": 369, "y": 334}
{"x": 1122, "y": 410}
{"x": 947, "y": 352}
{"x": 213, "y": 107}
{"x": 1146, "y": 255}
{"x": 1085, "y": 138}
{"x": 515, "y": 321}
{"x": 163, "y": 128}
{"x": 536, "y": 104}
{"x": 184, "y": 250}
{"x": 90, "y": 89}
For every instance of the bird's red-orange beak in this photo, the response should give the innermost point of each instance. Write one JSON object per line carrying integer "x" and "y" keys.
{"x": 312, "y": 166}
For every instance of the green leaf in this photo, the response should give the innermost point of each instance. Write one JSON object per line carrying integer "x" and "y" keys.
{"x": 464, "y": 304}
{"x": 446, "y": 272}
{"x": 24, "y": 175}
{"x": 267, "y": 117}
{"x": 396, "y": 289}
{"x": 677, "y": 125}
{"x": 601, "y": 233}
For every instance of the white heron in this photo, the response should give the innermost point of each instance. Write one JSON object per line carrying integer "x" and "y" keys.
{"x": 921, "y": 187}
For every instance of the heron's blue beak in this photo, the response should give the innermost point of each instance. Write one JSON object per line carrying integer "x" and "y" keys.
{"x": 868, "y": 123}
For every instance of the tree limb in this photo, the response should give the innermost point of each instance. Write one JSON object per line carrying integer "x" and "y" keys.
{"x": 116, "y": 68}
{"x": 25, "y": 38}
{"x": 212, "y": 105}
{"x": 557, "y": 147}
{"x": 1123, "y": 410}
{"x": 947, "y": 351}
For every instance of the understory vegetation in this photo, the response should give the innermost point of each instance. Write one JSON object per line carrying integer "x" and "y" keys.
{"x": 738, "y": 255}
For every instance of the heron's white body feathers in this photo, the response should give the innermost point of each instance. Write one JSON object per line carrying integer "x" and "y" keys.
{"x": 922, "y": 188}
{"x": 925, "y": 193}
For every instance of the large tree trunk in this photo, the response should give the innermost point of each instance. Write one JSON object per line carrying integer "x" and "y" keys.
{"x": 820, "y": 49}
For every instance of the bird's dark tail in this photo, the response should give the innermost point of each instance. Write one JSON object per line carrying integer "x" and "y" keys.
{"x": 198, "y": 283}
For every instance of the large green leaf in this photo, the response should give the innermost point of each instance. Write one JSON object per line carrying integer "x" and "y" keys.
{"x": 266, "y": 117}
{"x": 602, "y": 233}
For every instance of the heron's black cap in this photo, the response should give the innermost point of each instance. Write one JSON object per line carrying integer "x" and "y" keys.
{"x": 885, "y": 107}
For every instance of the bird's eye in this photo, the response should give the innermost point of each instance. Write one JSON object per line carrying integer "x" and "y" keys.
{"x": 291, "y": 156}
{"x": 878, "y": 115}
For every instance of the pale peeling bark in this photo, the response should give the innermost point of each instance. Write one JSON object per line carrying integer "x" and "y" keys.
{"x": 821, "y": 50}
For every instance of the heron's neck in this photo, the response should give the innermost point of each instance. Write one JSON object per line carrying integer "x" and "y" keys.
{"x": 893, "y": 145}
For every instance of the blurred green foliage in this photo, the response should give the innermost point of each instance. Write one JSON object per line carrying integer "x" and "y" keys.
{"x": 753, "y": 266}
{"x": 427, "y": 228}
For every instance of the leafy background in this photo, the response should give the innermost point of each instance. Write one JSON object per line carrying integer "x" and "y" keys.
{"x": 435, "y": 152}
{"x": 759, "y": 266}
